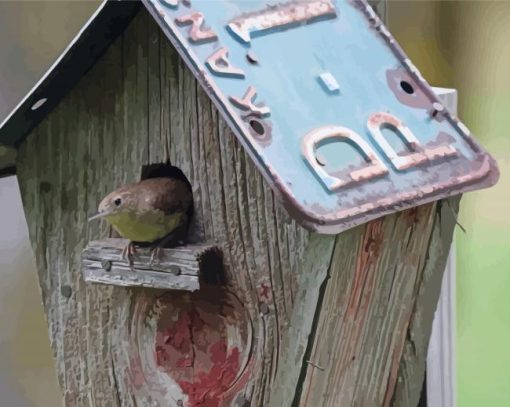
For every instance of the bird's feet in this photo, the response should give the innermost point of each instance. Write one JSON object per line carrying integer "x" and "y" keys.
{"x": 128, "y": 252}
{"x": 155, "y": 255}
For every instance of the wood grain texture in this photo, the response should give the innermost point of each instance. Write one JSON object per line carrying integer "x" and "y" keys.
{"x": 377, "y": 309}
{"x": 124, "y": 276}
{"x": 138, "y": 105}
{"x": 301, "y": 318}
{"x": 411, "y": 373}
{"x": 189, "y": 258}
{"x": 179, "y": 268}
{"x": 7, "y": 161}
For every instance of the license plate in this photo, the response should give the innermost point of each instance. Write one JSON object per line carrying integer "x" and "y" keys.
{"x": 331, "y": 110}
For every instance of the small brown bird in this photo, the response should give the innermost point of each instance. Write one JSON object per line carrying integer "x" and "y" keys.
{"x": 153, "y": 212}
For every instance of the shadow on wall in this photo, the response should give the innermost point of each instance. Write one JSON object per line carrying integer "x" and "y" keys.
{"x": 27, "y": 372}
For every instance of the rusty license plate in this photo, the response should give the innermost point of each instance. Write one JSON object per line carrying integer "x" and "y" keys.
{"x": 332, "y": 111}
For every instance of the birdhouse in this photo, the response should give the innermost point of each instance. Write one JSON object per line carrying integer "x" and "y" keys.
{"x": 326, "y": 176}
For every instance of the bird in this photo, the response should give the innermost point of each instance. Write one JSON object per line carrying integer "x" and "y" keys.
{"x": 154, "y": 212}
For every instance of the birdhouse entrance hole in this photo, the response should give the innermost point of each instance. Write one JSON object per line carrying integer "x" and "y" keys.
{"x": 156, "y": 170}
{"x": 181, "y": 265}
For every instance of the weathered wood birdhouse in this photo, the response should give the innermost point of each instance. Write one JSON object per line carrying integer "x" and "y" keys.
{"x": 326, "y": 177}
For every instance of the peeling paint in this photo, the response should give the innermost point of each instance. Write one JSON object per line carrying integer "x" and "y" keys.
{"x": 282, "y": 16}
{"x": 202, "y": 344}
{"x": 197, "y": 34}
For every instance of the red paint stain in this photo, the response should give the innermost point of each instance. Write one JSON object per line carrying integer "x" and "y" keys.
{"x": 265, "y": 291}
{"x": 138, "y": 379}
{"x": 184, "y": 362}
{"x": 179, "y": 335}
{"x": 194, "y": 350}
{"x": 161, "y": 356}
{"x": 208, "y": 386}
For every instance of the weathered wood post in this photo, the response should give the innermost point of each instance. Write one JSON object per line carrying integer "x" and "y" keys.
{"x": 299, "y": 317}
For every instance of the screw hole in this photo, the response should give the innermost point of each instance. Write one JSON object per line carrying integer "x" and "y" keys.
{"x": 66, "y": 291}
{"x": 407, "y": 87}
{"x": 38, "y": 104}
{"x": 257, "y": 127}
{"x": 107, "y": 265}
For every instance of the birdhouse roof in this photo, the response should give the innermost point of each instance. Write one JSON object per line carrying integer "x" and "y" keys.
{"x": 328, "y": 106}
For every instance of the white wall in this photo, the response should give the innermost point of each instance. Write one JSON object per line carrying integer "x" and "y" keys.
{"x": 27, "y": 373}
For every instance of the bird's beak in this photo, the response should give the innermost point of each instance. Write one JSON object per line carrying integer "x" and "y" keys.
{"x": 98, "y": 215}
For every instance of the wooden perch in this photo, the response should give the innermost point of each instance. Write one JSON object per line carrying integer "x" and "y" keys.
{"x": 179, "y": 268}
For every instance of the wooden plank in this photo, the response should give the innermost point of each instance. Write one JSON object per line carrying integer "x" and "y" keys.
{"x": 307, "y": 304}
{"x": 189, "y": 259}
{"x": 411, "y": 371}
{"x": 376, "y": 313}
{"x": 60, "y": 163}
{"x": 123, "y": 276}
{"x": 178, "y": 268}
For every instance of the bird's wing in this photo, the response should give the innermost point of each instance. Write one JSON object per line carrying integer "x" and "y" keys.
{"x": 167, "y": 194}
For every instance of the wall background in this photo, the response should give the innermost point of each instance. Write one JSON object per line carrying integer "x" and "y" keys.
{"x": 466, "y": 45}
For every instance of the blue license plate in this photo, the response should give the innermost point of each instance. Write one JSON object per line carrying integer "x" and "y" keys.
{"x": 334, "y": 114}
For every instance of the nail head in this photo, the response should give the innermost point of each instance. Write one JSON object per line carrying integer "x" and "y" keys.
{"x": 264, "y": 309}
{"x": 107, "y": 265}
{"x": 38, "y": 104}
{"x": 176, "y": 270}
{"x": 66, "y": 291}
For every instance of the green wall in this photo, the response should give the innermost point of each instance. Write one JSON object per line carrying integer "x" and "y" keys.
{"x": 466, "y": 45}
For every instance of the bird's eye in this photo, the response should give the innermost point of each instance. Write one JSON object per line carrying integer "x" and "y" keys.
{"x": 117, "y": 202}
